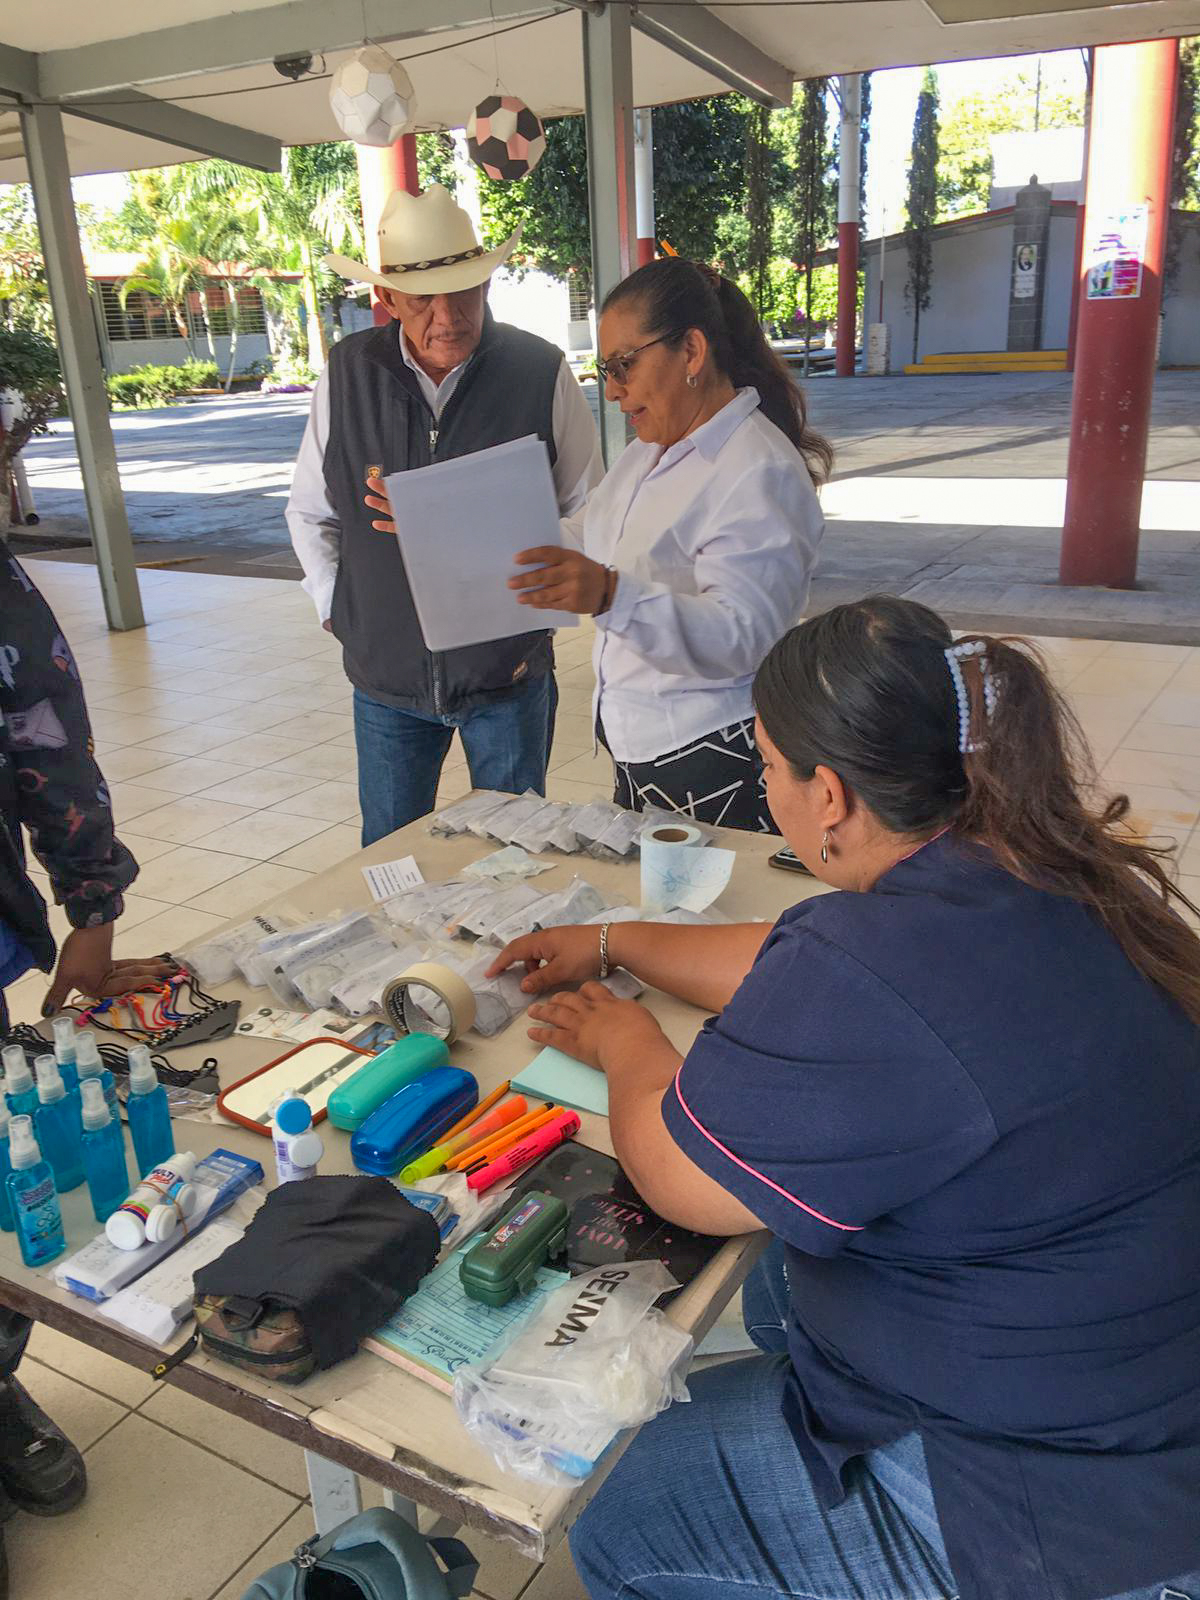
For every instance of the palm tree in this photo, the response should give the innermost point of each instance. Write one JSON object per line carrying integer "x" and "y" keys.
{"x": 292, "y": 218}
{"x": 166, "y": 276}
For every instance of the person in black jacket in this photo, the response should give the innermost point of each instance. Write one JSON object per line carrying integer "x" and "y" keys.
{"x": 50, "y": 787}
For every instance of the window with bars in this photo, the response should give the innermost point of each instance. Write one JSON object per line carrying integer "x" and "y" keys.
{"x": 579, "y": 292}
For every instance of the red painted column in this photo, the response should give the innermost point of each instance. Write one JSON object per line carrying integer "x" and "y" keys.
{"x": 1128, "y": 174}
{"x": 380, "y": 171}
{"x": 1080, "y": 220}
{"x": 848, "y": 198}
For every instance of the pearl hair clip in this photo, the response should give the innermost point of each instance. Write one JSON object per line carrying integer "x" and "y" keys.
{"x": 955, "y": 656}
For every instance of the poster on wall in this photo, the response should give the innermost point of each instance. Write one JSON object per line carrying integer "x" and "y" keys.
{"x": 1118, "y": 248}
{"x": 1025, "y": 266}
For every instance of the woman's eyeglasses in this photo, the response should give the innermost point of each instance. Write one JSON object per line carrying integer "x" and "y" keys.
{"x": 617, "y": 367}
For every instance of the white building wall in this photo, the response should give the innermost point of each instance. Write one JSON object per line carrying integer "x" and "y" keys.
{"x": 122, "y": 355}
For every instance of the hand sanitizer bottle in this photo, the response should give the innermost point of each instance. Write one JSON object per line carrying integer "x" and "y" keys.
{"x": 33, "y": 1197}
{"x": 59, "y": 1125}
{"x": 89, "y": 1065}
{"x": 64, "y": 1050}
{"x": 103, "y": 1152}
{"x": 20, "y": 1093}
{"x": 6, "y": 1216}
{"x": 148, "y": 1112}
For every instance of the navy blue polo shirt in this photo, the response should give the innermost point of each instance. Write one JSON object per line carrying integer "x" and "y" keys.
{"x": 976, "y": 1127}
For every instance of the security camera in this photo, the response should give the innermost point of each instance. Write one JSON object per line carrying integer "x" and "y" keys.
{"x": 293, "y": 67}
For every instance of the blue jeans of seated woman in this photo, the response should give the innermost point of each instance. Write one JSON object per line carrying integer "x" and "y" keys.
{"x": 713, "y": 1500}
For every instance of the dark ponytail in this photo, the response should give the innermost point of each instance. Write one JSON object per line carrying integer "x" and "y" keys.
{"x": 866, "y": 690}
{"x": 674, "y": 295}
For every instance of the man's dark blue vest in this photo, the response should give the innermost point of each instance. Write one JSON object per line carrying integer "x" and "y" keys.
{"x": 378, "y": 415}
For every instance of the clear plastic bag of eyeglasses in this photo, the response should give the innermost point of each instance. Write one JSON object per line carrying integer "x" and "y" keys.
{"x": 454, "y": 819}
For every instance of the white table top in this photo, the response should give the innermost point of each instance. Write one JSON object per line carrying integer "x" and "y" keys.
{"x": 365, "y": 1412}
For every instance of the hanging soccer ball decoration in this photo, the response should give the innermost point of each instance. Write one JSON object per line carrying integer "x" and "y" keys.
{"x": 371, "y": 97}
{"x": 505, "y": 137}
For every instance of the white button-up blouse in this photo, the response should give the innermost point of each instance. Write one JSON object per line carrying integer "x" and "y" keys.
{"x": 714, "y": 540}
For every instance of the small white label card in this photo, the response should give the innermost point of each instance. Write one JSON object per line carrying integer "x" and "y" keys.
{"x": 393, "y": 877}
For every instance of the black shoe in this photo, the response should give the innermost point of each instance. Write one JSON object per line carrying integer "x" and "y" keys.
{"x": 40, "y": 1469}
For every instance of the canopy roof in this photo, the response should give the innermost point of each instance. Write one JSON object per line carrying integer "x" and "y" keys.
{"x": 100, "y": 61}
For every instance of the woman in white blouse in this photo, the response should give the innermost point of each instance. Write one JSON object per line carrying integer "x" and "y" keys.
{"x": 698, "y": 546}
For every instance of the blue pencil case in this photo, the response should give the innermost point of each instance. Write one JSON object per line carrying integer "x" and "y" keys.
{"x": 411, "y": 1121}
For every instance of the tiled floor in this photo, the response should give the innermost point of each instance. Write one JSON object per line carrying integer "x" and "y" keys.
{"x": 224, "y": 729}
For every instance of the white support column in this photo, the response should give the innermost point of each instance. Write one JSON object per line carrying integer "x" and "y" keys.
{"x": 608, "y": 88}
{"x": 79, "y": 351}
{"x": 643, "y": 173}
{"x": 334, "y": 1491}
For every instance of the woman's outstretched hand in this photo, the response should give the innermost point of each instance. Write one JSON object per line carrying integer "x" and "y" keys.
{"x": 551, "y": 958}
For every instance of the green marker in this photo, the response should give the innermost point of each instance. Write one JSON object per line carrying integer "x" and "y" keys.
{"x": 425, "y": 1166}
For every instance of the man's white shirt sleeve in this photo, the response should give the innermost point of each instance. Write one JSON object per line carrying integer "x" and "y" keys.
{"x": 311, "y": 519}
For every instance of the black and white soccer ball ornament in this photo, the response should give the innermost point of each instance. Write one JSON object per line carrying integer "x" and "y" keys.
{"x": 505, "y": 137}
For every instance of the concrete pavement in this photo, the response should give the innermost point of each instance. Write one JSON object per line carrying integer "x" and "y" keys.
{"x": 949, "y": 490}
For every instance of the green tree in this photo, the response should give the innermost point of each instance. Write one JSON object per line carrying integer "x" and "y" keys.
{"x": 1185, "y": 156}
{"x": 922, "y": 202}
{"x": 24, "y": 297}
{"x": 551, "y": 204}
{"x": 699, "y": 173}
{"x": 28, "y": 365}
{"x": 760, "y": 217}
{"x": 292, "y": 218}
{"x": 435, "y": 161}
{"x": 1020, "y": 105}
{"x": 814, "y": 192}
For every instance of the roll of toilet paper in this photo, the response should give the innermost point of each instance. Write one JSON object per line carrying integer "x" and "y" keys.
{"x": 677, "y": 869}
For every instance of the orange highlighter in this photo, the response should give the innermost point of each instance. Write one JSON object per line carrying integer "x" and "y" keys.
{"x": 538, "y": 1143}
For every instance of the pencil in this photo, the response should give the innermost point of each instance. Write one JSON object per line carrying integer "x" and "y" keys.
{"x": 474, "y": 1115}
{"x": 514, "y": 1128}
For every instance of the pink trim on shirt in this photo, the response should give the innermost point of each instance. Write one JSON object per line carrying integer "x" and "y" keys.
{"x": 845, "y": 1227}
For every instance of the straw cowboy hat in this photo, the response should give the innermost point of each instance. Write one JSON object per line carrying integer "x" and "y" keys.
{"x": 427, "y": 245}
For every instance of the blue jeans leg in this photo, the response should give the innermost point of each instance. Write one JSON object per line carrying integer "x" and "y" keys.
{"x": 400, "y": 756}
{"x": 765, "y": 1300}
{"x": 508, "y": 742}
{"x": 713, "y": 1499}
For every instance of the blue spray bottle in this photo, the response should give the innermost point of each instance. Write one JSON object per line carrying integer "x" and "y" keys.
{"x": 89, "y": 1065}
{"x": 33, "y": 1197}
{"x": 59, "y": 1125}
{"x": 103, "y": 1152}
{"x": 64, "y": 1032}
{"x": 6, "y": 1216}
{"x": 20, "y": 1093}
{"x": 148, "y": 1112}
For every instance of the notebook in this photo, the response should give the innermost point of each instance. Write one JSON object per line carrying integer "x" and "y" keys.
{"x": 555, "y": 1077}
{"x": 439, "y": 1329}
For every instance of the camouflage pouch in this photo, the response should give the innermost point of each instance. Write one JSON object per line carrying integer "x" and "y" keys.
{"x": 259, "y": 1336}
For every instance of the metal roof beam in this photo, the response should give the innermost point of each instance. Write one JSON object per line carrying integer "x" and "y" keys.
{"x": 703, "y": 39}
{"x": 159, "y": 119}
{"x": 19, "y": 72}
{"x": 255, "y": 38}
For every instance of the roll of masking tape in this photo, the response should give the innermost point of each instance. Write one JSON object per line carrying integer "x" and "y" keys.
{"x": 430, "y": 998}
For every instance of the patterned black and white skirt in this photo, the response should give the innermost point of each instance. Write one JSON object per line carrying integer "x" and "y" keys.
{"x": 717, "y": 779}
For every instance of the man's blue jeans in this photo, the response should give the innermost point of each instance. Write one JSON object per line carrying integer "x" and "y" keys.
{"x": 400, "y": 753}
{"x": 713, "y": 1501}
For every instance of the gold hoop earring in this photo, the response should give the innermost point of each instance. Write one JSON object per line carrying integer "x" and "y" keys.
{"x": 691, "y": 380}
{"x": 825, "y": 848}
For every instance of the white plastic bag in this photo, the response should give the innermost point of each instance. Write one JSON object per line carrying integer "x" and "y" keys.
{"x": 596, "y": 1357}
{"x": 506, "y": 866}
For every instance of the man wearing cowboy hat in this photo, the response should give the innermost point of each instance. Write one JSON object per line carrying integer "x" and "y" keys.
{"x": 442, "y": 379}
